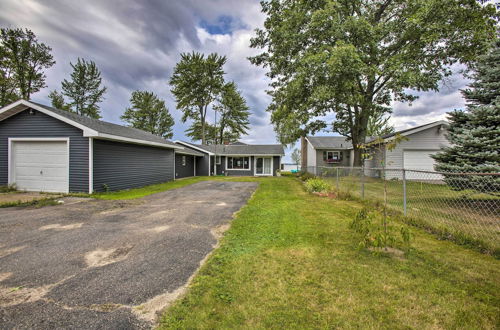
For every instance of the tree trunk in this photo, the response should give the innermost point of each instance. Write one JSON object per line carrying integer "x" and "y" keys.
{"x": 202, "y": 118}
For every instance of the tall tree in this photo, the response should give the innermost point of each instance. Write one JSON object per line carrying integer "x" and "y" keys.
{"x": 22, "y": 62}
{"x": 378, "y": 125}
{"x": 196, "y": 82}
{"x": 84, "y": 90}
{"x": 149, "y": 113}
{"x": 475, "y": 133}
{"x": 353, "y": 58}
{"x": 57, "y": 100}
{"x": 194, "y": 132}
{"x": 234, "y": 114}
{"x": 296, "y": 156}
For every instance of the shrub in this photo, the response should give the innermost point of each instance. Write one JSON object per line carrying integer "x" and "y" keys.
{"x": 317, "y": 185}
{"x": 304, "y": 176}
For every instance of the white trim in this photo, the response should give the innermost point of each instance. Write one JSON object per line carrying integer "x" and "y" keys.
{"x": 194, "y": 147}
{"x": 250, "y": 155}
{"x": 91, "y": 165}
{"x": 239, "y": 169}
{"x": 136, "y": 141}
{"x": 255, "y": 167}
{"x": 22, "y": 105}
{"x": 419, "y": 129}
{"x": 33, "y": 139}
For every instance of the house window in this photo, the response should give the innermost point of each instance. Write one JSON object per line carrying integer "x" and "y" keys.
{"x": 183, "y": 160}
{"x": 238, "y": 163}
{"x": 332, "y": 156}
{"x": 217, "y": 160}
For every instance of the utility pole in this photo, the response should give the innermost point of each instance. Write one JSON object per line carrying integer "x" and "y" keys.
{"x": 215, "y": 140}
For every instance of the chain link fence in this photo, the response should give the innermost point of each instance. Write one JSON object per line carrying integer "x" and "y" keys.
{"x": 463, "y": 206}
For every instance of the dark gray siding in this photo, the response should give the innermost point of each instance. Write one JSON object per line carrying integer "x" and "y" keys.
{"x": 184, "y": 171}
{"x": 41, "y": 125}
{"x": 276, "y": 164}
{"x": 201, "y": 163}
{"x": 241, "y": 172}
{"x": 123, "y": 166}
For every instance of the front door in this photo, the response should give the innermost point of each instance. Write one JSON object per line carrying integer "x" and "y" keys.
{"x": 263, "y": 166}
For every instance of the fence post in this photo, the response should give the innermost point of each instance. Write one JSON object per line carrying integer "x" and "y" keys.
{"x": 337, "y": 179}
{"x": 404, "y": 191}
{"x": 363, "y": 181}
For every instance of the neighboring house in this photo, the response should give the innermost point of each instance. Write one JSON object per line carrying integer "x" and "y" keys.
{"x": 237, "y": 159}
{"x": 287, "y": 167}
{"x": 51, "y": 150}
{"x": 413, "y": 153}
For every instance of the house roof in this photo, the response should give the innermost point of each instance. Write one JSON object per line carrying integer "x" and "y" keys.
{"x": 329, "y": 142}
{"x": 238, "y": 149}
{"x": 188, "y": 151}
{"x": 91, "y": 127}
{"x": 412, "y": 130}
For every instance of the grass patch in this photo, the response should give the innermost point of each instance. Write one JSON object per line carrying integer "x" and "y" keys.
{"x": 290, "y": 260}
{"x": 466, "y": 217}
{"x": 145, "y": 191}
{"x": 35, "y": 203}
{"x": 8, "y": 188}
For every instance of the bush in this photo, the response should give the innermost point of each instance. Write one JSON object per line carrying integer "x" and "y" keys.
{"x": 304, "y": 176}
{"x": 318, "y": 185}
{"x": 9, "y": 188}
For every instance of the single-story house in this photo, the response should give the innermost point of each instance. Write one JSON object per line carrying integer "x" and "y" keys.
{"x": 413, "y": 153}
{"x": 237, "y": 159}
{"x": 52, "y": 150}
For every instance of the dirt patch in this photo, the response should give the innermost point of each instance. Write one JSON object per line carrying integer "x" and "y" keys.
{"x": 105, "y": 307}
{"x": 19, "y": 295}
{"x": 159, "y": 229}
{"x": 221, "y": 204}
{"x": 24, "y": 197}
{"x": 149, "y": 310}
{"x": 100, "y": 257}
{"x": 57, "y": 226}
{"x": 397, "y": 253}
{"x": 4, "y": 276}
{"x": 218, "y": 232}
{"x": 6, "y": 252}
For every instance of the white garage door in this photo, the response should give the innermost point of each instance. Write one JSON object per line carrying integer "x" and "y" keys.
{"x": 40, "y": 165}
{"x": 420, "y": 160}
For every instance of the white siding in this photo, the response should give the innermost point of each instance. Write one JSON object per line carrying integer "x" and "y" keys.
{"x": 311, "y": 155}
{"x": 430, "y": 139}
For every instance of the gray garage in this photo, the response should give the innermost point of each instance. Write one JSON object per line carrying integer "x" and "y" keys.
{"x": 51, "y": 150}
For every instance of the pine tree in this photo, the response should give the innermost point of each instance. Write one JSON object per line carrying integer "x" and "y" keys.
{"x": 149, "y": 113}
{"x": 475, "y": 132}
{"x": 84, "y": 90}
{"x": 57, "y": 101}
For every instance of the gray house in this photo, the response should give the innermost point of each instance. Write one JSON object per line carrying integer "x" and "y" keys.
{"x": 414, "y": 153}
{"x": 51, "y": 150}
{"x": 237, "y": 159}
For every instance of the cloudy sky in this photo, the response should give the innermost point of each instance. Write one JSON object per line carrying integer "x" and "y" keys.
{"x": 136, "y": 45}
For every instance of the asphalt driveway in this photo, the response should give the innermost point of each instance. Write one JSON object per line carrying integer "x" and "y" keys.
{"x": 108, "y": 264}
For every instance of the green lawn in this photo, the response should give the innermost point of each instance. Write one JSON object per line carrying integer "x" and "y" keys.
{"x": 472, "y": 217}
{"x": 289, "y": 260}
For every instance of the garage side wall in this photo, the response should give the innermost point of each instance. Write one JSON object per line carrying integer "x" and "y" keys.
{"x": 184, "y": 171}
{"x": 40, "y": 125}
{"x": 120, "y": 166}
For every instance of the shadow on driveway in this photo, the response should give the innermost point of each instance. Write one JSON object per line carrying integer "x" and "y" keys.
{"x": 112, "y": 264}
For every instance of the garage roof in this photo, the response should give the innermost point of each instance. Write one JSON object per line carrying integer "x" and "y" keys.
{"x": 91, "y": 127}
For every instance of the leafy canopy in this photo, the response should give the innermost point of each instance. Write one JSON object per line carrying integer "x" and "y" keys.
{"x": 234, "y": 114}
{"x": 22, "y": 62}
{"x": 352, "y": 58}
{"x": 84, "y": 90}
{"x": 149, "y": 113}
{"x": 196, "y": 82}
